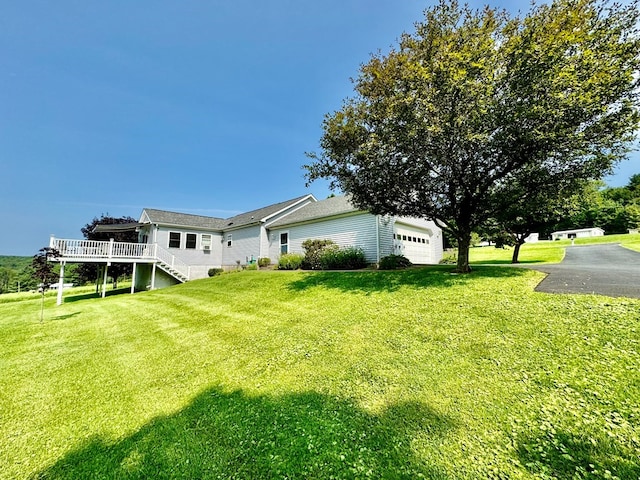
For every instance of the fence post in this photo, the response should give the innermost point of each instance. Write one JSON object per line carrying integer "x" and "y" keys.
{"x": 110, "y": 247}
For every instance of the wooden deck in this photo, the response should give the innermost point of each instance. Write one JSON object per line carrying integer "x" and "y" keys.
{"x": 94, "y": 251}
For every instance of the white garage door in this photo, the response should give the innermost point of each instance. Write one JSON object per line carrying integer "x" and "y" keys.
{"x": 413, "y": 243}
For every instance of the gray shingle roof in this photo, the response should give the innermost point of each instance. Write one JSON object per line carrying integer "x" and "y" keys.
{"x": 164, "y": 217}
{"x": 255, "y": 216}
{"x": 323, "y": 208}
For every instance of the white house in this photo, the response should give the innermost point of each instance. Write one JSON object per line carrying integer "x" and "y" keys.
{"x": 577, "y": 233}
{"x": 175, "y": 247}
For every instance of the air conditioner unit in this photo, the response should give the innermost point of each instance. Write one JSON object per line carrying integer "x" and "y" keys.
{"x": 206, "y": 247}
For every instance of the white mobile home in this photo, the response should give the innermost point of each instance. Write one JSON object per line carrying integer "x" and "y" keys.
{"x": 577, "y": 233}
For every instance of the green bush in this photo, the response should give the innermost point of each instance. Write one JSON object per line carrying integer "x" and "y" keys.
{"x": 290, "y": 261}
{"x": 215, "y": 271}
{"x": 351, "y": 258}
{"x": 251, "y": 266}
{"x": 264, "y": 261}
{"x": 313, "y": 250}
{"x": 393, "y": 262}
{"x": 449, "y": 258}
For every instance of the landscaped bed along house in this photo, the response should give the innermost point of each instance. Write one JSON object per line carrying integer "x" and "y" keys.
{"x": 176, "y": 247}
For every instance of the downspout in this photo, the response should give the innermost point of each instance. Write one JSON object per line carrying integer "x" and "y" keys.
{"x": 377, "y": 238}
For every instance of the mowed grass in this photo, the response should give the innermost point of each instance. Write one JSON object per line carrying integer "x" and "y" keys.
{"x": 409, "y": 374}
{"x": 546, "y": 251}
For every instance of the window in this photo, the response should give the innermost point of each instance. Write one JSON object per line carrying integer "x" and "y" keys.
{"x": 404, "y": 237}
{"x": 284, "y": 242}
{"x": 174, "y": 239}
{"x": 192, "y": 239}
{"x": 229, "y": 240}
{"x": 205, "y": 241}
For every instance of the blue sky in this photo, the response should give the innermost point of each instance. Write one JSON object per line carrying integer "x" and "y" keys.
{"x": 202, "y": 107}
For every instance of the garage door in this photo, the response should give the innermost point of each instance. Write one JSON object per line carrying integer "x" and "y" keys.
{"x": 413, "y": 243}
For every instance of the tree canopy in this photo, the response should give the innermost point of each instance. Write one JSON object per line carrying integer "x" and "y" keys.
{"x": 443, "y": 124}
{"x": 87, "y": 272}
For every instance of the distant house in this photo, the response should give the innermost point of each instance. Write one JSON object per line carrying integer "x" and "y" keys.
{"x": 577, "y": 233}
{"x": 175, "y": 247}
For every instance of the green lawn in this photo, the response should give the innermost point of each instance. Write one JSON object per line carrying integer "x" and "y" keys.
{"x": 411, "y": 374}
{"x": 546, "y": 251}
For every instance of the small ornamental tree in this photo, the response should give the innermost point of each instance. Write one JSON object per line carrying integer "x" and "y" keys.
{"x": 43, "y": 271}
{"x": 441, "y": 124}
{"x": 43, "y": 268}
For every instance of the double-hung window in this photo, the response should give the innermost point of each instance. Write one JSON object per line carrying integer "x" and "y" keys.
{"x": 284, "y": 242}
{"x": 174, "y": 239}
{"x": 192, "y": 239}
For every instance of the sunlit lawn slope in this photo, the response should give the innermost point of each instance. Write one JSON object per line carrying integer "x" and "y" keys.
{"x": 323, "y": 375}
{"x": 546, "y": 251}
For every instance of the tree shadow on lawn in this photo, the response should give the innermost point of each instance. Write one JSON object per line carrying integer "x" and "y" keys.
{"x": 93, "y": 295}
{"x": 233, "y": 435}
{"x": 393, "y": 280}
{"x": 560, "y": 454}
{"x": 506, "y": 262}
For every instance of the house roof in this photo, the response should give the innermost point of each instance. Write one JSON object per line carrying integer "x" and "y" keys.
{"x": 329, "y": 207}
{"x": 263, "y": 214}
{"x": 116, "y": 227}
{"x": 164, "y": 217}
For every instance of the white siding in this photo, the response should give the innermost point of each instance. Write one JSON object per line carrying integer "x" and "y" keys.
{"x": 192, "y": 256}
{"x": 386, "y": 235}
{"x": 264, "y": 241}
{"x": 352, "y": 231}
{"x": 245, "y": 243}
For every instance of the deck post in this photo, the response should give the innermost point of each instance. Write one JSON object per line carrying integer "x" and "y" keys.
{"x": 104, "y": 281}
{"x": 133, "y": 278}
{"x": 60, "y": 284}
{"x": 153, "y": 276}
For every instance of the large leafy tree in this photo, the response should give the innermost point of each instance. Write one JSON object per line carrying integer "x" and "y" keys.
{"x": 531, "y": 201}
{"x": 442, "y": 124}
{"x": 88, "y": 271}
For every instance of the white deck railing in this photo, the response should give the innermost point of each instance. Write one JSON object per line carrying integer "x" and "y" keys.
{"x": 117, "y": 251}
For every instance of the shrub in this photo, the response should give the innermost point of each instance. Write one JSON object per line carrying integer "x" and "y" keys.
{"x": 449, "y": 258}
{"x": 313, "y": 250}
{"x": 215, "y": 271}
{"x": 251, "y": 266}
{"x": 290, "y": 261}
{"x": 393, "y": 262}
{"x": 350, "y": 258}
{"x": 264, "y": 262}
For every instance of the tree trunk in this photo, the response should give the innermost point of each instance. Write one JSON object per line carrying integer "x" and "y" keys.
{"x": 464, "y": 241}
{"x": 516, "y": 251}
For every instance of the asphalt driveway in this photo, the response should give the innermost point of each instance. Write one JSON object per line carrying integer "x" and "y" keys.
{"x": 607, "y": 269}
